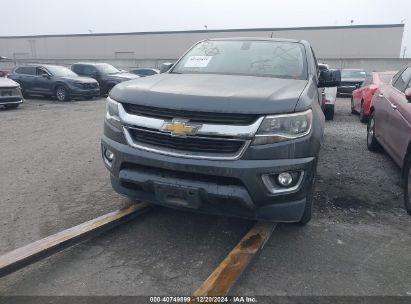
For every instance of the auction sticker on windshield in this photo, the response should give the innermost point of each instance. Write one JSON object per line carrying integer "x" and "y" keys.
{"x": 197, "y": 61}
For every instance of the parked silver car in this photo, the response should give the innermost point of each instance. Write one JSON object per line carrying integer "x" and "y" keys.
{"x": 10, "y": 93}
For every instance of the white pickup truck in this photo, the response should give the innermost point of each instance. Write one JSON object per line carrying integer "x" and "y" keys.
{"x": 329, "y": 95}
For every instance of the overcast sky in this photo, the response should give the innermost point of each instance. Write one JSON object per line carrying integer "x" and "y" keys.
{"x": 28, "y": 17}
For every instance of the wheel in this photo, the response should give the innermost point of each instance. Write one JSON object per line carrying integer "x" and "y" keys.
{"x": 352, "y": 107}
{"x": 372, "y": 142}
{"x": 407, "y": 184}
{"x": 62, "y": 93}
{"x": 12, "y": 106}
{"x": 329, "y": 113}
{"x": 363, "y": 117}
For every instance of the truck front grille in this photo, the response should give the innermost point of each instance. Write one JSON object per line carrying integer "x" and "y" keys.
{"x": 193, "y": 116}
{"x": 190, "y": 144}
{"x": 92, "y": 85}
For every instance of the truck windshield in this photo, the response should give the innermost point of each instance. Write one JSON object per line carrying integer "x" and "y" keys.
{"x": 106, "y": 68}
{"x": 276, "y": 59}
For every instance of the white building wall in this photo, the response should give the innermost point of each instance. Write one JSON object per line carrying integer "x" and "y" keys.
{"x": 328, "y": 42}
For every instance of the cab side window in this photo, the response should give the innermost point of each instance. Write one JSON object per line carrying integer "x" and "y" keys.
{"x": 89, "y": 70}
{"x": 26, "y": 70}
{"x": 41, "y": 71}
{"x": 403, "y": 80}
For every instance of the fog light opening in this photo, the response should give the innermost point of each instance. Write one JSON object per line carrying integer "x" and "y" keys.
{"x": 108, "y": 156}
{"x": 283, "y": 182}
{"x": 285, "y": 179}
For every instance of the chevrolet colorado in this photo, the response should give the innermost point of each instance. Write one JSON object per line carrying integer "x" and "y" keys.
{"x": 234, "y": 127}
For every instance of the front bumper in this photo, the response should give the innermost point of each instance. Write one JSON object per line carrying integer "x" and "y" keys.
{"x": 10, "y": 100}
{"x": 233, "y": 188}
{"x": 77, "y": 92}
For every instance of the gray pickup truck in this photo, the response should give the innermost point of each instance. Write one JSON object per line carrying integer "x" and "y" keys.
{"x": 234, "y": 128}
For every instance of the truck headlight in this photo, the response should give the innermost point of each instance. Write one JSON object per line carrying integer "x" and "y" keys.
{"x": 276, "y": 128}
{"x": 112, "y": 114}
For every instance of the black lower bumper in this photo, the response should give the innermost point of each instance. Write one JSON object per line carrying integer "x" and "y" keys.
{"x": 85, "y": 92}
{"x": 12, "y": 100}
{"x": 233, "y": 188}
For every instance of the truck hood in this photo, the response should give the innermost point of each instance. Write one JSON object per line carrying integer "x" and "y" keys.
{"x": 7, "y": 83}
{"x": 212, "y": 93}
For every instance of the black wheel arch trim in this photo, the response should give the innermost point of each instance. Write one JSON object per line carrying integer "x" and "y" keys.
{"x": 58, "y": 84}
{"x": 406, "y": 158}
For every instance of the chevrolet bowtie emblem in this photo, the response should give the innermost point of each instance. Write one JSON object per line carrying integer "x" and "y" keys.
{"x": 180, "y": 127}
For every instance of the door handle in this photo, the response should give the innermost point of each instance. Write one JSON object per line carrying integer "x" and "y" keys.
{"x": 393, "y": 106}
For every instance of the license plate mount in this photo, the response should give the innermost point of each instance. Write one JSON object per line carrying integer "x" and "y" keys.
{"x": 6, "y": 93}
{"x": 175, "y": 195}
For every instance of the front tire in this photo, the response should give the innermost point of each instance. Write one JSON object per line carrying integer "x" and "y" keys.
{"x": 12, "y": 106}
{"x": 329, "y": 113}
{"x": 407, "y": 184}
{"x": 363, "y": 117}
{"x": 62, "y": 94}
{"x": 352, "y": 107}
{"x": 372, "y": 142}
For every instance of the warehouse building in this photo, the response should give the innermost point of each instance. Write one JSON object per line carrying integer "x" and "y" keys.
{"x": 340, "y": 46}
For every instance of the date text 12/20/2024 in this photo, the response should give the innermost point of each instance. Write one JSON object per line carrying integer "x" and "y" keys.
{"x": 203, "y": 299}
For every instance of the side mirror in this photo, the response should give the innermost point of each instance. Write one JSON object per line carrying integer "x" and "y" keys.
{"x": 408, "y": 94}
{"x": 94, "y": 74}
{"x": 166, "y": 66}
{"x": 329, "y": 78}
{"x": 46, "y": 76}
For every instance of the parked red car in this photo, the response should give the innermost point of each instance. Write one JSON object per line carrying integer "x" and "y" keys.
{"x": 389, "y": 125}
{"x": 361, "y": 97}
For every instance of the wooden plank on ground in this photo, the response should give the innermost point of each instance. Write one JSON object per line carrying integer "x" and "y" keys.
{"x": 227, "y": 273}
{"x": 26, "y": 255}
